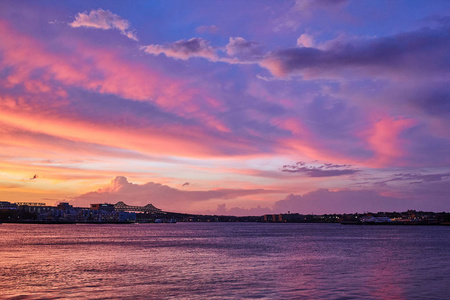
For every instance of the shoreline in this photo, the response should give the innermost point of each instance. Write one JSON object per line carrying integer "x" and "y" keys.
{"x": 128, "y": 223}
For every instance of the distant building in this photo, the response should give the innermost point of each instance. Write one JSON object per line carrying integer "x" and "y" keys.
{"x": 30, "y": 203}
{"x": 285, "y": 218}
{"x": 103, "y": 206}
{"x": 127, "y": 216}
{"x": 37, "y": 209}
{"x": 7, "y": 205}
{"x": 273, "y": 218}
{"x": 372, "y": 219}
{"x": 64, "y": 206}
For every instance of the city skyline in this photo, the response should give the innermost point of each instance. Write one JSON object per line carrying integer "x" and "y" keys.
{"x": 227, "y": 107}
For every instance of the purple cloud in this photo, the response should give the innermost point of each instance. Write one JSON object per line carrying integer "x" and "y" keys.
{"x": 69, "y": 91}
{"x": 238, "y": 211}
{"x": 415, "y": 52}
{"x": 162, "y": 196}
{"x": 304, "y": 4}
{"x": 419, "y": 51}
{"x": 207, "y": 29}
{"x": 184, "y": 49}
{"x": 347, "y": 201}
{"x": 434, "y": 102}
{"x": 306, "y": 40}
{"x": 417, "y": 178}
{"x": 243, "y": 49}
{"x": 325, "y": 170}
{"x": 302, "y": 10}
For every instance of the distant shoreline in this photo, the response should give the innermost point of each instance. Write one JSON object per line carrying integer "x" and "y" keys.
{"x": 129, "y": 223}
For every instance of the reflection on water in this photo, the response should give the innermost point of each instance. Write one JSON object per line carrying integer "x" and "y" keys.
{"x": 224, "y": 261}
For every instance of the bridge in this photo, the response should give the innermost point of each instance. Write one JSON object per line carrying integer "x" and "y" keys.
{"x": 149, "y": 208}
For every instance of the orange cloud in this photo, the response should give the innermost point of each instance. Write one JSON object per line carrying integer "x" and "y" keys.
{"x": 181, "y": 140}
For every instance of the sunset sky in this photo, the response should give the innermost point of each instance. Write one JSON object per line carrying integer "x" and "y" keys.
{"x": 227, "y": 107}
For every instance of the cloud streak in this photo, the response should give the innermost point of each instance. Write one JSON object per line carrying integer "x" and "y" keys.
{"x": 414, "y": 178}
{"x": 325, "y": 170}
{"x": 184, "y": 49}
{"x": 211, "y": 29}
{"x": 242, "y": 49}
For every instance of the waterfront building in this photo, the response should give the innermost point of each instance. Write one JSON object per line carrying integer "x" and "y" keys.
{"x": 103, "y": 206}
{"x": 372, "y": 219}
{"x": 8, "y": 205}
{"x": 30, "y": 203}
{"x": 36, "y": 209}
{"x": 64, "y": 206}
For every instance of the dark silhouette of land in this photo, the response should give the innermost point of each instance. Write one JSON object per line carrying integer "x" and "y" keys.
{"x": 64, "y": 213}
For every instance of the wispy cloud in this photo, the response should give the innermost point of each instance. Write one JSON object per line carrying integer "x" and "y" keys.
{"x": 414, "y": 178}
{"x": 306, "y": 40}
{"x": 104, "y": 19}
{"x": 302, "y": 10}
{"x": 212, "y": 29}
{"x": 245, "y": 50}
{"x": 184, "y": 49}
{"x": 324, "y": 170}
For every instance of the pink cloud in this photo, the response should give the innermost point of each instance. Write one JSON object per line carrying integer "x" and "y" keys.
{"x": 95, "y": 69}
{"x": 303, "y": 142}
{"x": 101, "y": 70}
{"x": 386, "y": 142}
{"x": 175, "y": 139}
{"x": 222, "y": 209}
{"x": 207, "y": 29}
{"x": 29, "y": 142}
{"x": 241, "y": 48}
{"x": 305, "y": 40}
{"x": 162, "y": 196}
{"x": 324, "y": 201}
{"x": 302, "y": 10}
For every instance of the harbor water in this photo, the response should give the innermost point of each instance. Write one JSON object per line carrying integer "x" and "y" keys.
{"x": 224, "y": 261}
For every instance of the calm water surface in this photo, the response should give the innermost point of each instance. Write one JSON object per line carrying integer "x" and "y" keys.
{"x": 224, "y": 261}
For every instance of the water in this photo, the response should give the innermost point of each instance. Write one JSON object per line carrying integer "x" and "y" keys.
{"x": 224, "y": 261}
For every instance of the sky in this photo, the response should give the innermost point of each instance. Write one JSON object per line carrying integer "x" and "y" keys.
{"x": 227, "y": 107}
